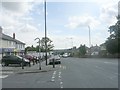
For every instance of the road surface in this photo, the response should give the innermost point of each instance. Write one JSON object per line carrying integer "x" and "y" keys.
{"x": 72, "y": 73}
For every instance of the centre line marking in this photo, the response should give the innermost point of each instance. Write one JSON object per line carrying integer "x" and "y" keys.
{"x": 61, "y": 82}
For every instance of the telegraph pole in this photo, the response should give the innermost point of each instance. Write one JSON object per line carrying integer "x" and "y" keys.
{"x": 45, "y": 33}
{"x": 89, "y": 39}
{"x": 39, "y": 54}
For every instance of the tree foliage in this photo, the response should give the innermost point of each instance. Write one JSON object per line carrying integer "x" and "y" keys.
{"x": 49, "y": 44}
{"x": 82, "y": 50}
{"x": 42, "y": 46}
{"x": 113, "y": 41}
{"x": 32, "y": 48}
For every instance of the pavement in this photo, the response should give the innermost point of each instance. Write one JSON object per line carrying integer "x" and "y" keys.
{"x": 27, "y": 69}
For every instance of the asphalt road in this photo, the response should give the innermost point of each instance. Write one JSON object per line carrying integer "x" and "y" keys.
{"x": 90, "y": 73}
{"x": 72, "y": 73}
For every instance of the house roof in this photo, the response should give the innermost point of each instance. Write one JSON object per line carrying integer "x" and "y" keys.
{"x": 6, "y": 37}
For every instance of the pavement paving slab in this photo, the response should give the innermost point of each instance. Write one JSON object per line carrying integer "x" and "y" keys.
{"x": 31, "y": 69}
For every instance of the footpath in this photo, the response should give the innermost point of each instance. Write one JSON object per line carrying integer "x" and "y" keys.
{"x": 32, "y": 69}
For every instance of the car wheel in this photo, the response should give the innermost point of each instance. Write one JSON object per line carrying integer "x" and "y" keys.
{"x": 3, "y": 64}
{"x": 59, "y": 62}
{"x": 6, "y": 64}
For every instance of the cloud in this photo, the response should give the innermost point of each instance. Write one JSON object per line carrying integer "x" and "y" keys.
{"x": 108, "y": 13}
{"x": 65, "y": 42}
{"x": 26, "y": 34}
{"x": 82, "y": 21}
{"x": 8, "y": 20}
{"x": 28, "y": 28}
{"x": 12, "y": 13}
{"x": 15, "y": 18}
{"x": 17, "y": 8}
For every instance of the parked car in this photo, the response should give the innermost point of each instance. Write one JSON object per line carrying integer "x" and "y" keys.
{"x": 65, "y": 55}
{"x": 56, "y": 59}
{"x": 32, "y": 58}
{"x": 11, "y": 59}
{"x": 29, "y": 57}
{"x": 25, "y": 61}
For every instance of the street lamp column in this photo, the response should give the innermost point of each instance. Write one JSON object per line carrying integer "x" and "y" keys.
{"x": 71, "y": 42}
{"x": 72, "y": 46}
{"x": 39, "y": 54}
{"x": 89, "y": 39}
{"x": 45, "y": 33}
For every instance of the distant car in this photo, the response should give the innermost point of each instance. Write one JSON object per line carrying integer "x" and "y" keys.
{"x": 29, "y": 57}
{"x": 56, "y": 59}
{"x": 11, "y": 59}
{"x": 65, "y": 55}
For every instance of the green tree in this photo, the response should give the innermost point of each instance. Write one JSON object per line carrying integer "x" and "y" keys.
{"x": 82, "y": 50}
{"x": 113, "y": 41}
{"x": 49, "y": 45}
{"x": 32, "y": 48}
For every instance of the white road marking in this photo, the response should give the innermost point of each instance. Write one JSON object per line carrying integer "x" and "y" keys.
{"x": 54, "y": 72}
{"x": 59, "y": 76}
{"x": 53, "y": 76}
{"x": 60, "y": 79}
{"x": 64, "y": 67}
{"x": 59, "y": 73}
{"x": 52, "y": 80}
{"x": 110, "y": 63}
{"x": 3, "y": 76}
{"x": 61, "y": 87}
{"x": 5, "y": 72}
{"x": 61, "y": 82}
{"x": 60, "y": 66}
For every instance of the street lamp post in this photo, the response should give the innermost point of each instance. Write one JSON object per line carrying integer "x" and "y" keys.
{"x": 89, "y": 39}
{"x": 45, "y": 33}
{"x": 71, "y": 46}
{"x": 71, "y": 42}
{"x": 39, "y": 54}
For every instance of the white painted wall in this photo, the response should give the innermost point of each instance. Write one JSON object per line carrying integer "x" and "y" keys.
{"x": 20, "y": 47}
{"x": 8, "y": 44}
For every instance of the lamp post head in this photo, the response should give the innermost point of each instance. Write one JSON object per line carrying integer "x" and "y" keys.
{"x": 37, "y": 38}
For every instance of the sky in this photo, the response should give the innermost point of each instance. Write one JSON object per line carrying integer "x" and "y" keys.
{"x": 67, "y": 21}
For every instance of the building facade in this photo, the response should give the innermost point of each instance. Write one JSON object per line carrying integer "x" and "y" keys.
{"x": 10, "y": 45}
{"x": 0, "y": 42}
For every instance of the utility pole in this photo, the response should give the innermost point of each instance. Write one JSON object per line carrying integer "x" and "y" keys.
{"x": 89, "y": 39}
{"x": 39, "y": 54}
{"x": 72, "y": 46}
{"x": 45, "y": 33}
{"x": 71, "y": 42}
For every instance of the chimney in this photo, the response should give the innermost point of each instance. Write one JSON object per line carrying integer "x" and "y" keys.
{"x": 13, "y": 35}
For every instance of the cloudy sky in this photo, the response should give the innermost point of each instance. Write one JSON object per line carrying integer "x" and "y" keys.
{"x": 67, "y": 21}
